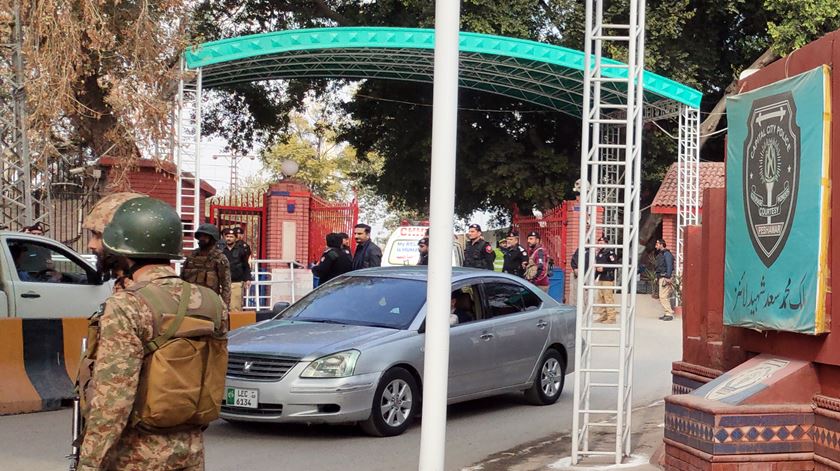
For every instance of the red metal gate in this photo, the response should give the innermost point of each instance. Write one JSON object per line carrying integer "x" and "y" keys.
{"x": 552, "y": 229}
{"x": 325, "y": 218}
{"x": 247, "y": 211}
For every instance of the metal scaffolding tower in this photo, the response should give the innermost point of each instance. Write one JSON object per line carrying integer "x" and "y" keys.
{"x": 188, "y": 155}
{"x": 688, "y": 176}
{"x": 24, "y": 182}
{"x": 610, "y": 182}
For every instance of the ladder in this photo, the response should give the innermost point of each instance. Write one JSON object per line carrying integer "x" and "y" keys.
{"x": 688, "y": 176}
{"x": 187, "y": 151}
{"x": 610, "y": 184}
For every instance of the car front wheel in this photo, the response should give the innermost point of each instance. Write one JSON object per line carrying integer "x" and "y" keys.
{"x": 395, "y": 404}
{"x": 549, "y": 380}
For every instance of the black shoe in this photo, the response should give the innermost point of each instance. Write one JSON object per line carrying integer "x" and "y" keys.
{"x": 666, "y": 318}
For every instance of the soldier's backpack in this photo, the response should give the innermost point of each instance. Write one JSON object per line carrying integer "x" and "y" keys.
{"x": 183, "y": 375}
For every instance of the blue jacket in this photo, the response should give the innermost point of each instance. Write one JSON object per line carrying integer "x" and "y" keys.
{"x": 664, "y": 264}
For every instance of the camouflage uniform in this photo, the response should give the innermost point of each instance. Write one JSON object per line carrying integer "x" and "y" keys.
{"x": 110, "y": 441}
{"x": 99, "y": 217}
{"x": 211, "y": 270}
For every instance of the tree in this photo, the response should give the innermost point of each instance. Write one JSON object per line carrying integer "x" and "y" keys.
{"x": 510, "y": 151}
{"x": 101, "y": 74}
{"x": 324, "y": 164}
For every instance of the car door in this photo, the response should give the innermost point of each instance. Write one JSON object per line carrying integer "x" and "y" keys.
{"x": 520, "y": 328}
{"x": 51, "y": 282}
{"x": 470, "y": 350}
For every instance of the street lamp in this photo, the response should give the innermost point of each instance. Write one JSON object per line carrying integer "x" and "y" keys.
{"x": 289, "y": 168}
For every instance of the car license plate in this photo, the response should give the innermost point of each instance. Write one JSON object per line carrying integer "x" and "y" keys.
{"x": 238, "y": 397}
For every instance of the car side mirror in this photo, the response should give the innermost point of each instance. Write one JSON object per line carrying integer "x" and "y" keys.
{"x": 279, "y": 307}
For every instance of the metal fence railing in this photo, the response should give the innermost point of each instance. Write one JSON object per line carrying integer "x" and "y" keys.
{"x": 275, "y": 281}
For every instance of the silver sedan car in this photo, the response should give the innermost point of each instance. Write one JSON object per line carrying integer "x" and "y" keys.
{"x": 352, "y": 350}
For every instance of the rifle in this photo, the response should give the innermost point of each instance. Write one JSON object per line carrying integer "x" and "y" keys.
{"x": 78, "y": 421}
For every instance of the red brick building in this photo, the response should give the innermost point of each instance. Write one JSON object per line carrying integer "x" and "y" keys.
{"x": 712, "y": 175}
{"x": 156, "y": 179}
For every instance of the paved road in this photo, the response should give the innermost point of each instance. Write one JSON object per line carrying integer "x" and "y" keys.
{"x": 38, "y": 442}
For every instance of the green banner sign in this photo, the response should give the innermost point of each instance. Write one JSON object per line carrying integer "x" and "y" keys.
{"x": 777, "y": 189}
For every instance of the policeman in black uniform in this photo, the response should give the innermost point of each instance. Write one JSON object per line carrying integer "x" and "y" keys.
{"x": 516, "y": 257}
{"x": 240, "y": 240}
{"x": 478, "y": 253}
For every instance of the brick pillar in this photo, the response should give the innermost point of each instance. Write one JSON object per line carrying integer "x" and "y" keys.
{"x": 669, "y": 231}
{"x": 288, "y": 202}
{"x": 572, "y": 239}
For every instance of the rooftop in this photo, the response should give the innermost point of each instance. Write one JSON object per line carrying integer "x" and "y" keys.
{"x": 712, "y": 175}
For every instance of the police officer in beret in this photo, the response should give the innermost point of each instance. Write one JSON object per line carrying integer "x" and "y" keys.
{"x": 516, "y": 257}
{"x": 478, "y": 253}
{"x": 237, "y": 253}
{"x": 423, "y": 248}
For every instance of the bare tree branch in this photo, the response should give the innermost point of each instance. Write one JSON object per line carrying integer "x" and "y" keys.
{"x": 710, "y": 124}
{"x": 328, "y": 12}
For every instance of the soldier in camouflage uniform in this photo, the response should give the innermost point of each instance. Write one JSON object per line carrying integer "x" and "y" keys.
{"x": 108, "y": 266}
{"x": 207, "y": 265}
{"x": 146, "y": 234}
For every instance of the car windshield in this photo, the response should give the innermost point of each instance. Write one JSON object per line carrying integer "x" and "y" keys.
{"x": 360, "y": 300}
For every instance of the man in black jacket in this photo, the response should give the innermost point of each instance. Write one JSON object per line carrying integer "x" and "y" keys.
{"x": 237, "y": 254}
{"x": 605, "y": 276}
{"x": 334, "y": 261}
{"x": 664, "y": 277}
{"x": 367, "y": 253}
{"x": 478, "y": 253}
{"x": 516, "y": 257}
{"x": 572, "y": 301}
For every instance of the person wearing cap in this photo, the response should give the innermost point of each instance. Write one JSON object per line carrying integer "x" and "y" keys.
{"x": 605, "y": 276}
{"x": 237, "y": 254}
{"x": 108, "y": 266}
{"x": 423, "y": 248}
{"x": 207, "y": 266}
{"x": 138, "y": 236}
{"x": 34, "y": 229}
{"x": 334, "y": 261}
{"x": 516, "y": 257}
{"x": 478, "y": 253}
{"x": 537, "y": 269}
{"x": 240, "y": 239}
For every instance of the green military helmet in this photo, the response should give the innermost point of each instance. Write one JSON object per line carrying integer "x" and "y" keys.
{"x": 144, "y": 228}
{"x": 208, "y": 229}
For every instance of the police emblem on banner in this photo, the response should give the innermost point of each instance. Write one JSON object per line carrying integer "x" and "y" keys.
{"x": 771, "y": 173}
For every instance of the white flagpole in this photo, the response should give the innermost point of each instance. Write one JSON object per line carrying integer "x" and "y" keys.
{"x": 441, "y": 208}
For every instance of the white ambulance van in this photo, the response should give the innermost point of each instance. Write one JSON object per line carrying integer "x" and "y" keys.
{"x": 401, "y": 248}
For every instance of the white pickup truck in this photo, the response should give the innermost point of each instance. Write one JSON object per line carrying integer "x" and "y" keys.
{"x": 42, "y": 278}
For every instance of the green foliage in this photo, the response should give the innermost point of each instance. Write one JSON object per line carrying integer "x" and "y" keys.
{"x": 508, "y": 151}
{"x": 800, "y": 21}
{"x": 324, "y": 165}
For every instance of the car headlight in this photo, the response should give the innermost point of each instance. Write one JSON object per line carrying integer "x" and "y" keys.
{"x": 337, "y": 365}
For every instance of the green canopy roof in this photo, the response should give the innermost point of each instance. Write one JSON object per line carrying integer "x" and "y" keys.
{"x": 543, "y": 74}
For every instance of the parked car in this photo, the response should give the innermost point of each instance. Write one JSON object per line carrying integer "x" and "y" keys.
{"x": 42, "y": 278}
{"x": 352, "y": 350}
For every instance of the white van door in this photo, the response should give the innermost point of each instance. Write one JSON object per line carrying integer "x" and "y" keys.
{"x": 49, "y": 281}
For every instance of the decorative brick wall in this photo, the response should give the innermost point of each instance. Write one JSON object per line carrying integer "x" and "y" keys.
{"x": 669, "y": 231}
